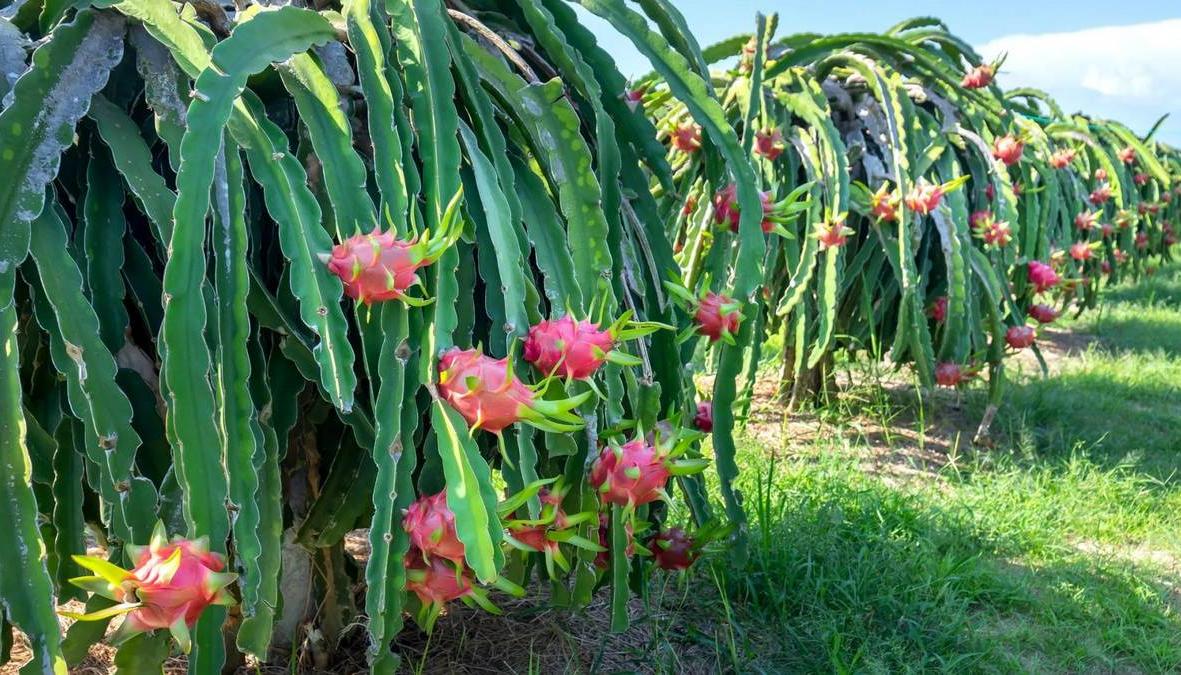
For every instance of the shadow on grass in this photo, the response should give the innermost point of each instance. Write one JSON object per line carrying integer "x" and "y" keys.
{"x": 855, "y": 576}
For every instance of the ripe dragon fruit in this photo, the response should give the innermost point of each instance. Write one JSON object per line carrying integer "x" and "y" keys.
{"x": 377, "y": 267}
{"x": 1128, "y": 155}
{"x": 437, "y": 581}
{"x": 550, "y": 530}
{"x": 690, "y": 205}
{"x": 686, "y": 138}
{"x": 1142, "y": 208}
{"x": 673, "y": 549}
{"x": 769, "y": 143}
{"x": 1062, "y": 158}
{"x": 726, "y": 209}
{"x": 718, "y": 317}
{"x": 1141, "y": 240}
{"x": 169, "y": 587}
{"x": 1104, "y": 267}
{"x": 1106, "y": 230}
{"x": 924, "y": 197}
{"x": 431, "y": 526}
{"x": 1140, "y": 179}
{"x": 1043, "y": 313}
{"x": 1020, "y": 337}
{"x": 636, "y": 472}
{"x": 979, "y": 218}
{"x": 486, "y": 393}
{"x": 703, "y": 420}
{"x": 1081, "y": 251}
{"x": 1120, "y": 256}
{"x": 1100, "y": 195}
{"x": 1042, "y": 276}
{"x": 1008, "y": 149}
{"x": 989, "y": 230}
{"x": 832, "y": 234}
{"x": 979, "y": 77}
{"x": 884, "y": 204}
{"x": 1085, "y": 220}
{"x": 603, "y": 559}
{"x": 989, "y": 192}
{"x": 574, "y": 350}
{"x": 938, "y": 309}
{"x": 948, "y": 374}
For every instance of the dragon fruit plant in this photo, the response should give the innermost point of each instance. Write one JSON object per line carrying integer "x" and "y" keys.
{"x": 169, "y": 587}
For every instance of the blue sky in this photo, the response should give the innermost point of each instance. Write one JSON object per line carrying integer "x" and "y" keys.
{"x": 1108, "y": 58}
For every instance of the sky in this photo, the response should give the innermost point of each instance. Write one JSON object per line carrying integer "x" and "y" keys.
{"x": 1120, "y": 60}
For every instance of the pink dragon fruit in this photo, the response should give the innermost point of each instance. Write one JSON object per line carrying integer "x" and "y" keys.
{"x": 634, "y": 98}
{"x": 673, "y": 549}
{"x": 431, "y": 526}
{"x": 1008, "y": 149}
{"x": 169, "y": 587}
{"x": 1020, "y": 337}
{"x": 704, "y": 419}
{"x": 435, "y": 580}
{"x": 1062, "y": 158}
{"x": 1120, "y": 256}
{"x": 1101, "y": 175}
{"x": 832, "y": 234}
{"x": 1081, "y": 251}
{"x": 486, "y": 393}
{"x": 1086, "y": 220}
{"x": 884, "y": 204}
{"x": 1140, "y": 179}
{"x": 603, "y": 559}
{"x": 938, "y": 309}
{"x": 631, "y": 474}
{"x": 718, "y": 317}
{"x": 978, "y": 77}
{"x": 1107, "y": 230}
{"x": 769, "y": 143}
{"x": 1043, "y": 313}
{"x": 949, "y": 374}
{"x": 1100, "y": 195}
{"x": 572, "y": 349}
{"x": 1128, "y": 155}
{"x": 690, "y": 205}
{"x": 989, "y": 192}
{"x": 546, "y": 533}
{"x": 991, "y": 232}
{"x": 1141, "y": 240}
{"x": 924, "y": 197}
{"x": 686, "y": 138}
{"x": 1042, "y": 276}
{"x": 726, "y": 209}
{"x": 1104, "y": 267}
{"x": 980, "y": 218}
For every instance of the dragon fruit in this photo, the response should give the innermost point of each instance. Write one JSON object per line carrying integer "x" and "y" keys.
{"x": 1120, "y": 256}
{"x": 1020, "y": 337}
{"x": 989, "y": 192}
{"x": 978, "y": 77}
{"x": 634, "y": 98}
{"x": 486, "y": 393}
{"x": 1081, "y": 251}
{"x": 1008, "y": 149}
{"x": 726, "y": 209}
{"x": 572, "y": 349}
{"x": 769, "y": 143}
{"x": 1100, "y": 195}
{"x": 1140, "y": 179}
{"x": 553, "y": 527}
{"x": 924, "y": 197}
{"x": 603, "y": 559}
{"x": 884, "y": 204}
{"x": 1141, "y": 240}
{"x": 690, "y": 205}
{"x": 377, "y": 267}
{"x": 832, "y": 234}
{"x": 1101, "y": 175}
{"x": 1104, "y": 267}
{"x": 938, "y": 309}
{"x": 1086, "y": 220}
{"x": 989, "y": 230}
{"x": 1062, "y": 158}
{"x": 435, "y": 580}
{"x": 431, "y": 526}
{"x": 636, "y": 472}
{"x": 1128, "y": 155}
{"x": 1106, "y": 230}
{"x": 1043, "y": 313}
{"x": 673, "y": 549}
{"x": 1042, "y": 276}
{"x": 717, "y": 317}
{"x": 686, "y": 138}
{"x": 704, "y": 419}
{"x": 169, "y": 587}
{"x": 979, "y": 218}
{"x": 949, "y": 374}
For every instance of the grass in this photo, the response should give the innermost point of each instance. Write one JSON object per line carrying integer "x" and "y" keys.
{"x": 1057, "y": 551}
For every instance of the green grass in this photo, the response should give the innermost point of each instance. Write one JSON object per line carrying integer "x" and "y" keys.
{"x": 1057, "y": 551}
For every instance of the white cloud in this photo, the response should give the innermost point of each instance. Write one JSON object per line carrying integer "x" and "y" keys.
{"x": 1128, "y": 73}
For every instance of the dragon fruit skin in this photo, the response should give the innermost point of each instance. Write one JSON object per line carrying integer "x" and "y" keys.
{"x": 376, "y": 267}
{"x": 1008, "y": 149}
{"x": 717, "y": 317}
{"x": 480, "y": 389}
{"x": 170, "y": 585}
{"x": 631, "y": 474}
{"x": 1043, "y": 313}
{"x": 1042, "y": 276}
{"x": 566, "y": 347}
{"x": 431, "y": 525}
{"x": 673, "y": 549}
{"x": 1020, "y": 337}
{"x": 704, "y": 419}
{"x": 436, "y": 581}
